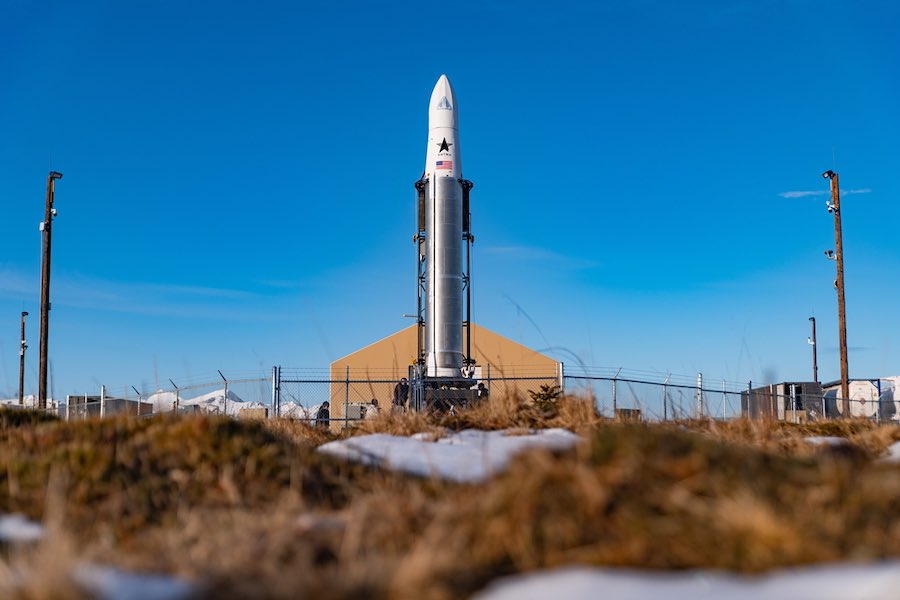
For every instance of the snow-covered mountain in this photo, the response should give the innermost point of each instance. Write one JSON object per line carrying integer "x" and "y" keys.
{"x": 292, "y": 410}
{"x": 212, "y": 402}
{"x": 29, "y": 400}
{"x": 163, "y": 401}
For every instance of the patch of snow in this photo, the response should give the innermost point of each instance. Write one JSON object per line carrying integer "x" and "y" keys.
{"x": 15, "y": 528}
{"x": 107, "y": 583}
{"x": 826, "y": 582}
{"x": 826, "y": 440}
{"x": 469, "y": 456}
{"x": 892, "y": 455}
{"x": 426, "y": 436}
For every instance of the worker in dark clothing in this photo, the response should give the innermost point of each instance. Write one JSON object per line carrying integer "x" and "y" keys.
{"x": 481, "y": 392}
{"x": 401, "y": 394}
{"x": 323, "y": 416}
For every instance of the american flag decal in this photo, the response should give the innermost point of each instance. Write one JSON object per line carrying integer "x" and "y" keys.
{"x": 443, "y": 164}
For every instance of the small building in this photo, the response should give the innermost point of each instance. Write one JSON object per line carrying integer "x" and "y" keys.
{"x": 631, "y": 415}
{"x": 371, "y": 373}
{"x": 85, "y": 407}
{"x": 793, "y": 401}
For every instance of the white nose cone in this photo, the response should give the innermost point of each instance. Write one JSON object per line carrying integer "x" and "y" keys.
{"x": 442, "y": 157}
{"x": 442, "y": 110}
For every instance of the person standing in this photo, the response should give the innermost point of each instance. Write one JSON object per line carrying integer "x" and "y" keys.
{"x": 323, "y": 416}
{"x": 401, "y": 395}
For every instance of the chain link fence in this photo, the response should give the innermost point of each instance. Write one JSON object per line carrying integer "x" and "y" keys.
{"x": 647, "y": 396}
{"x": 301, "y": 394}
{"x": 644, "y": 395}
{"x": 242, "y": 395}
{"x": 355, "y": 395}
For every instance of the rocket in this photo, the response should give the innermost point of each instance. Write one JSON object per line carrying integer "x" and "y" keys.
{"x": 443, "y": 231}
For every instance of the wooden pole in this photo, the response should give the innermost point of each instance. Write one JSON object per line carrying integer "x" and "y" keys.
{"x": 46, "y": 228}
{"x": 839, "y": 284}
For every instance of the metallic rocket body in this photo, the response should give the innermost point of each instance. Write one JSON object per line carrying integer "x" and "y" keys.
{"x": 443, "y": 237}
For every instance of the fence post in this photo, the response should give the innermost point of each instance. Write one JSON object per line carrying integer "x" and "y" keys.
{"x": 878, "y": 402}
{"x": 666, "y": 397}
{"x": 177, "y": 397}
{"x": 276, "y": 400}
{"x": 225, "y": 399}
{"x": 749, "y": 400}
{"x": 102, "y": 401}
{"x": 699, "y": 395}
{"x": 347, "y": 399}
{"x": 793, "y": 400}
{"x": 614, "y": 401}
{"x": 724, "y": 398}
{"x": 560, "y": 374}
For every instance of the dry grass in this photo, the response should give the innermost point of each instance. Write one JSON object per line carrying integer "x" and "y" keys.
{"x": 867, "y": 438}
{"x": 251, "y": 509}
{"x": 510, "y": 412}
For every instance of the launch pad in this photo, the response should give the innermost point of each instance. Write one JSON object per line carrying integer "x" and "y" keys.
{"x": 442, "y": 394}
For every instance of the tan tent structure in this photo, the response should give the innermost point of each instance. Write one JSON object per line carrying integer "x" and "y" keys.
{"x": 371, "y": 373}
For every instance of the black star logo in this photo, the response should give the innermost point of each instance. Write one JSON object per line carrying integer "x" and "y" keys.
{"x": 444, "y": 146}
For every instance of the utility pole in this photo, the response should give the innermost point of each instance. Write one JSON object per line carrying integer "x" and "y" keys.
{"x": 812, "y": 342}
{"x": 835, "y": 207}
{"x": 46, "y": 227}
{"x": 22, "y": 348}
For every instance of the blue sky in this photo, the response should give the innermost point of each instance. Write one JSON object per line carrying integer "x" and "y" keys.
{"x": 238, "y": 180}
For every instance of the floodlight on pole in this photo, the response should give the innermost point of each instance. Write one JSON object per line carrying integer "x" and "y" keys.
{"x": 23, "y": 346}
{"x": 812, "y": 342}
